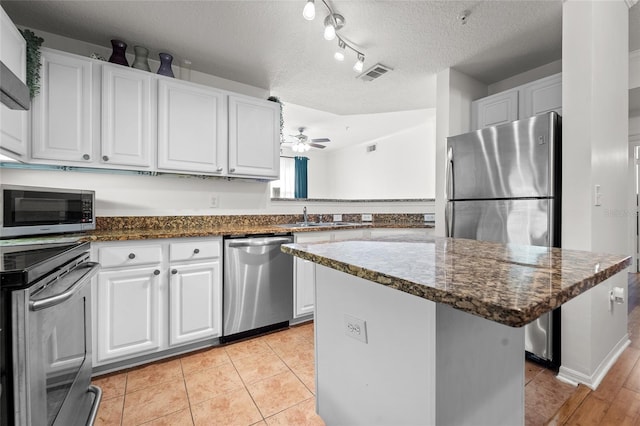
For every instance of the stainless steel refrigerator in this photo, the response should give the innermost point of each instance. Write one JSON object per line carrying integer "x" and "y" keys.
{"x": 503, "y": 185}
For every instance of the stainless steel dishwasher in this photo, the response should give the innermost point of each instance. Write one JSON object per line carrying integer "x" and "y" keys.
{"x": 258, "y": 285}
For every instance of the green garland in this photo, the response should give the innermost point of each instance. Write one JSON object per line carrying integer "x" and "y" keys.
{"x": 33, "y": 61}
{"x": 276, "y": 99}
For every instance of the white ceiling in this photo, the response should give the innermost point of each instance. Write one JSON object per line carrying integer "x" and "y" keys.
{"x": 268, "y": 44}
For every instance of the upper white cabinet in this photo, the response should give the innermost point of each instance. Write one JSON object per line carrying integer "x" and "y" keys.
{"x": 63, "y": 114}
{"x": 497, "y": 109}
{"x": 541, "y": 96}
{"x": 254, "y": 137}
{"x": 128, "y": 117}
{"x": 524, "y": 101}
{"x": 191, "y": 128}
{"x": 13, "y": 123}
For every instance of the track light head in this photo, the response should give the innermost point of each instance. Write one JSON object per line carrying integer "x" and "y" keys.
{"x": 339, "y": 55}
{"x": 309, "y": 11}
{"x": 332, "y": 23}
{"x": 358, "y": 67}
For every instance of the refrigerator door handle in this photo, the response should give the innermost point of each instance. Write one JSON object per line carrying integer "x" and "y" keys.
{"x": 449, "y": 219}
{"x": 449, "y": 187}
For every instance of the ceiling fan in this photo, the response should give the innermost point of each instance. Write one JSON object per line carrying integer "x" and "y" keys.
{"x": 303, "y": 143}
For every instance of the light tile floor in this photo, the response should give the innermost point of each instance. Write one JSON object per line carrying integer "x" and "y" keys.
{"x": 268, "y": 380}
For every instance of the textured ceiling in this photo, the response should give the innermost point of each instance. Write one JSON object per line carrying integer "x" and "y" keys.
{"x": 268, "y": 44}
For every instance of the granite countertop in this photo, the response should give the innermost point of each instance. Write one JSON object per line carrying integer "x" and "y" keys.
{"x": 507, "y": 283}
{"x": 227, "y": 230}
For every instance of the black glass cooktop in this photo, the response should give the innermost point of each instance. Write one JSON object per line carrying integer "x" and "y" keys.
{"x": 25, "y": 264}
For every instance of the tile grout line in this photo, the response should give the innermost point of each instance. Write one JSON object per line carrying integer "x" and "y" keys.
{"x": 245, "y": 387}
{"x": 186, "y": 391}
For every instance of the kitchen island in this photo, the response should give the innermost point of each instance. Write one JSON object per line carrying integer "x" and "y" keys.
{"x": 423, "y": 332}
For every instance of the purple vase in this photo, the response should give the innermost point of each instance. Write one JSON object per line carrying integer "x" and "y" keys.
{"x": 118, "y": 54}
{"x": 165, "y": 65}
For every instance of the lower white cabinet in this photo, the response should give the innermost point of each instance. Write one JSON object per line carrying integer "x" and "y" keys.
{"x": 154, "y": 295}
{"x": 304, "y": 282}
{"x": 129, "y": 313}
{"x": 195, "y": 302}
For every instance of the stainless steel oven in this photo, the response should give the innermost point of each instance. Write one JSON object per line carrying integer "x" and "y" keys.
{"x": 46, "y": 335}
{"x": 28, "y": 210}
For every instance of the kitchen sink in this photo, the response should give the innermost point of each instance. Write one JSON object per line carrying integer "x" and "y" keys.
{"x": 315, "y": 224}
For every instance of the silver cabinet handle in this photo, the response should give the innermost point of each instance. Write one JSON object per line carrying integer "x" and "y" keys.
{"x": 196, "y": 251}
{"x": 86, "y": 157}
{"x": 105, "y": 157}
{"x": 92, "y": 269}
{"x": 132, "y": 255}
{"x": 174, "y": 271}
{"x": 156, "y": 272}
{"x": 232, "y": 170}
{"x": 219, "y": 169}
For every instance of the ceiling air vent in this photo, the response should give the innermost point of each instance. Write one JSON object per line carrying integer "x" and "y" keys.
{"x": 376, "y": 71}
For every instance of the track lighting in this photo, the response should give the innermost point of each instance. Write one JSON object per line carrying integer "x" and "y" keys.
{"x": 309, "y": 11}
{"x": 333, "y": 22}
{"x": 360, "y": 64}
{"x": 339, "y": 55}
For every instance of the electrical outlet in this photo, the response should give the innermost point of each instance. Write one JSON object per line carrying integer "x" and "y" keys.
{"x": 367, "y": 217}
{"x": 213, "y": 201}
{"x": 429, "y": 217}
{"x": 355, "y": 328}
{"x": 337, "y": 218}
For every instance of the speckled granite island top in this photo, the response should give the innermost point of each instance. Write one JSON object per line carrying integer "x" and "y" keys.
{"x": 507, "y": 283}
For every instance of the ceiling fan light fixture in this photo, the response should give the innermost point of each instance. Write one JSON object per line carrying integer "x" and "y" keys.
{"x": 309, "y": 11}
{"x": 359, "y": 65}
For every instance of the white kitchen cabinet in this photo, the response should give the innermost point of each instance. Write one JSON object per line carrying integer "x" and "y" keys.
{"x": 128, "y": 117}
{"x": 493, "y": 110}
{"x": 541, "y": 96}
{"x": 192, "y": 128}
{"x": 304, "y": 270}
{"x": 129, "y": 314}
{"x": 195, "y": 291}
{"x": 538, "y": 97}
{"x": 195, "y": 302}
{"x": 254, "y": 137}
{"x": 155, "y": 295}
{"x": 63, "y": 115}
{"x": 13, "y": 123}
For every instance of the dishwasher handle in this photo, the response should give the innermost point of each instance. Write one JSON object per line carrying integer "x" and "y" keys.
{"x": 260, "y": 242}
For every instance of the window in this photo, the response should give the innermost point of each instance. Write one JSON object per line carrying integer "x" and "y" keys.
{"x": 285, "y": 186}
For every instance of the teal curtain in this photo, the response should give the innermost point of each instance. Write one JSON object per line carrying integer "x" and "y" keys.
{"x": 301, "y": 177}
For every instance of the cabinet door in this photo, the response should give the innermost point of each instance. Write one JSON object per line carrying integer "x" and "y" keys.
{"x": 305, "y": 287}
{"x": 128, "y": 116}
{"x": 191, "y": 128}
{"x": 544, "y": 95}
{"x": 129, "y": 314}
{"x": 13, "y": 123}
{"x": 195, "y": 307}
{"x": 254, "y": 137}
{"x": 497, "y": 109}
{"x": 62, "y": 113}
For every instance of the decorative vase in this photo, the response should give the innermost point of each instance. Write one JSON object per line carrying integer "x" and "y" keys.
{"x": 165, "y": 65}
{"x": 118, "y": 55}
{"x": 141, "y": 62}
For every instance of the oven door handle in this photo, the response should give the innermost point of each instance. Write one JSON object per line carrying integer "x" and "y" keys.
{"x": 92, "y": 269}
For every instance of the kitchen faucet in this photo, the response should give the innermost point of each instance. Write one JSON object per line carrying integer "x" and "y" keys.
{"x": 304, "y": 215}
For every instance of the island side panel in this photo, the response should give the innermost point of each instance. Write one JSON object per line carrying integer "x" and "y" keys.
{"x": 480, "y": 370}
{"x": 390, "y": 379}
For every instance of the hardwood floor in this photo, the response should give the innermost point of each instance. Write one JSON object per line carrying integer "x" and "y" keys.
{"x": 617, "y": 399}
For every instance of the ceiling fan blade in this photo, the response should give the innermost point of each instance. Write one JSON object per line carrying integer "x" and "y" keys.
{"x": 316, "y": 145}
{"x": 323, "y": 140}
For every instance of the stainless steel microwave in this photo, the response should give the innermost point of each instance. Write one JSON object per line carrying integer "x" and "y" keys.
{"x": 28, "y": 210}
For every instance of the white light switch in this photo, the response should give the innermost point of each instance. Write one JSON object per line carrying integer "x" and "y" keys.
{"x": 597, "y": 196}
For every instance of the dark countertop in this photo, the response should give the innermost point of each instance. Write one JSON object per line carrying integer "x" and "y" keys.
{"x": 507, "y": 283}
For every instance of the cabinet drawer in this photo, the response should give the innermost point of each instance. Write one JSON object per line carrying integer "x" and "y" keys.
{"x": 194, "y": 250}
{"x": 129, "y": 256}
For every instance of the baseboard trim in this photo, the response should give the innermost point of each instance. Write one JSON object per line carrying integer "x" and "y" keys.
{"x": 575, "y": 378}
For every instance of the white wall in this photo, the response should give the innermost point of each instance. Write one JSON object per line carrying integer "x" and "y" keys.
{"x": 595, "y": 152}
{"x": 402, "y": 166}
